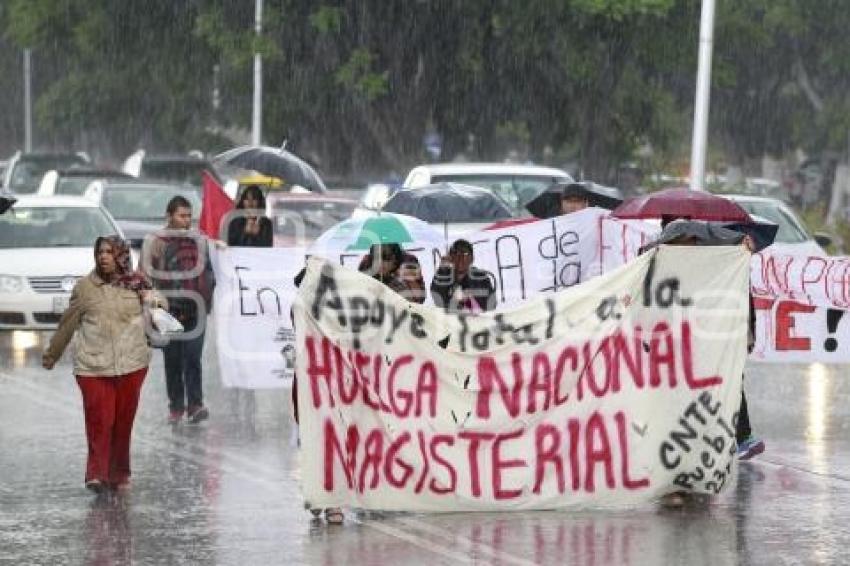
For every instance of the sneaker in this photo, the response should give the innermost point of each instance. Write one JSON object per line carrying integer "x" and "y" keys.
{"x": 96, "y": 486}
{"x": 174, "y": 417}
{"x": 198, "y": 414}
{"x": 750, "y": 448}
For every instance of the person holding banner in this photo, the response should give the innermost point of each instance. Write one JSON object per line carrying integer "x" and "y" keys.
{"x": 398, "y": 270}
{"x": 459, "y": 286}
{"x": 684, "y": 232}
{"x": 749, "y": 446}
{"x": 111, "y": 358}
{"x": 333, "y": 515}
{"x": 250, "y": 227}
{"x": 574, "y": 198}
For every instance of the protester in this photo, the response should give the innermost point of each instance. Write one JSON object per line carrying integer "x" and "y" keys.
{"x": 687, "y": 232}
{"x": 333, "y": 515}
{"x": 684, "y": 232}
{"x": 177, "y": 261}
{"x": 459, "y": 286}
{"x": 111, "y": 357}
{"x": 574, "y": 198}
{"x": 749, "y": 446}
{"x": 398, "y": 270}
{"x": 251, "y": 227}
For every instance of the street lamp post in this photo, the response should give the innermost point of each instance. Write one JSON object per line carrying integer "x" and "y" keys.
{"x": 27, "y": 100}
{"x": 701, "y": 103}
{"x": 257, "y": 113}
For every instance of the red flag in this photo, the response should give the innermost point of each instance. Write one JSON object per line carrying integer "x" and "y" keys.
{"x": 215, "y": 206}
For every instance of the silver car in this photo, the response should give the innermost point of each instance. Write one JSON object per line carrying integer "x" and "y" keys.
{"x": 792, "y": 234}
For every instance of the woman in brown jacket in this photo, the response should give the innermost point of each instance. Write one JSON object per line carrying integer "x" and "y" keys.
{"x": 110, "y": 360}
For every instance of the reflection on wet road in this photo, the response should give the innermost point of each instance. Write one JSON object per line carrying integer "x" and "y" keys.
{"x": 226, "y": 492}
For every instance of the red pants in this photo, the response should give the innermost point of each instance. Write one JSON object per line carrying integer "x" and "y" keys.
{"x": 110, "y": 408}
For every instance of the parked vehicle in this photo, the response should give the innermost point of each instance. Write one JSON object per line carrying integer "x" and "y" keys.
{"x": 376, "y": 194}
{"x": 181, "y": 169}
{"x": 25, "y": 170}
{"x": 792, "y": 234}
{"x": 75, "y": 181}
{"x": 300, "y": 218}
{"x": 138, "y": 206}
{"x": 46, "y": 244}
{"x": 516, "y": 184}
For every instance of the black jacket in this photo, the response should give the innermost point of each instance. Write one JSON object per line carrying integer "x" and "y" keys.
{"x": 478, "y": 284}
{"x": 236, "y": 235}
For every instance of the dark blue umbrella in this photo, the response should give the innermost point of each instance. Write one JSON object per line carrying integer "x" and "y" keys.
{"x": 449, "y": 202}
{"x": 274, "y": 162}
{"x": 6, "y": 202}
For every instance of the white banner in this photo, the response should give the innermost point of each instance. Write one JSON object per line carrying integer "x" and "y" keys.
{"x": 550, "y": 255}
{"x": 529, "y": 260}
{"x": 822, "y": 281}
{"x": 609, "y": 393}
{"x": 251, "y": 306}
{"x": 788, "y": 331}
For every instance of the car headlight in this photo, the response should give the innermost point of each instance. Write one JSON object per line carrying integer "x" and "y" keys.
{"x": 11, "y": 284}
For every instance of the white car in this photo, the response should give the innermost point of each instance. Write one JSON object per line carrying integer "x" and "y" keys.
{"x": 792, "y": 235}
{"x": 516, "y": 184}
{"x": 24, "y": 170}
{"x": 46, "y": 244}
{"x": 138, "y": 207}
{"x": 73, "y": 182}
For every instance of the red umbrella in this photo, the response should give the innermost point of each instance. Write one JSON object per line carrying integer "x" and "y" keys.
{"x": 682, "y": 203}
{"x": 508, "y": 222}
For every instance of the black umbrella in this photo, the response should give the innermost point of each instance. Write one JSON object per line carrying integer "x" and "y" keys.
{"x": 6, "y": 202}
{"x": 548, "y": 203}
{"x": 761, "y": 230}
{"x": 703, "y": 234}
{"x": 274, "y": 162}
{"x": 449, "y": 202}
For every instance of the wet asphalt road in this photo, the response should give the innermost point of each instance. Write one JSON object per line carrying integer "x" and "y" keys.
{"x": 226, "y": 491}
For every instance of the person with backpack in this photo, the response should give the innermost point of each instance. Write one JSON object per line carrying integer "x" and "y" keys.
{"x": 177, "y": 261}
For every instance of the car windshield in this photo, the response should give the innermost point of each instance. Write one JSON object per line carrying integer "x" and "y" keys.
{"x": 790, "y": 230}
{"x": 516, "y": 190}
{"x": 145, "y": 203}
{"x": 308, "y": 219}
{"x": 27, "y": 172}
{"x": 48, "y": 227}
{"x": 184, "y": 172}
{"x": 74, "y": 185}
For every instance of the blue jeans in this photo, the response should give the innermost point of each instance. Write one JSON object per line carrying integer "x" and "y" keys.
{"x": 183, "y": 373}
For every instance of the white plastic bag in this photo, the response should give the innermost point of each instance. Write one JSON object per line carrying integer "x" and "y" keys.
{"x": 164, "y": 323}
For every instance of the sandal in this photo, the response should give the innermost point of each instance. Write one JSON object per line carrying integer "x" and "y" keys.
{"x": 334, "y": 516}
{"x": 673, "y": 500}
